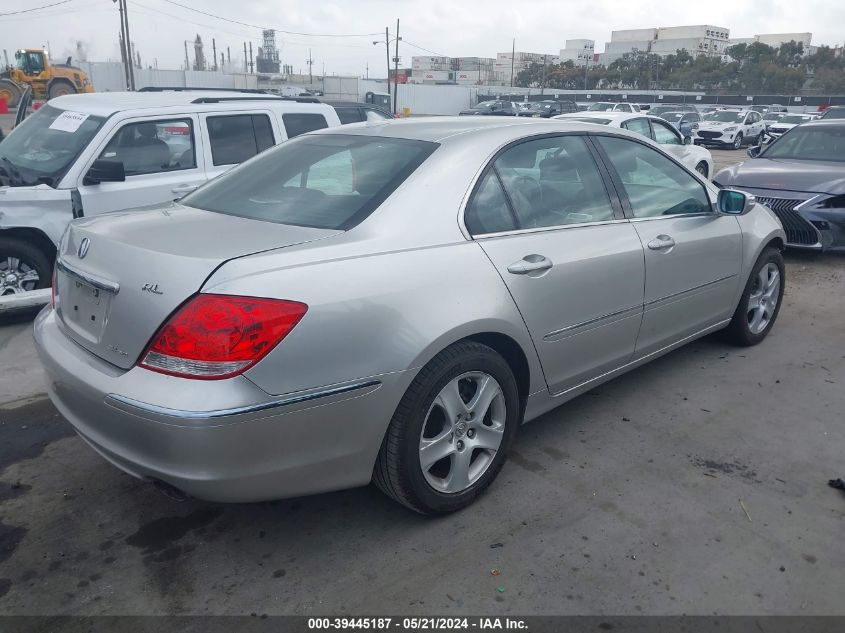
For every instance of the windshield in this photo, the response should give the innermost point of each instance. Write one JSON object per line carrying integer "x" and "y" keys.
{"x": 601, "y": 107}
{"x": 487, "y": 104}
{"x": 795, "y": 118}
{"x": 44, "y": 146}
{"x": 725, "y": 116}
{"x": 810, "y": 143}
{"x": 672, "y": 117}
{"x": 773, "y": 116}
{"x": 834, "y": 113}
{"x": 321, "y": 181}
{"x": 540, "y": 106}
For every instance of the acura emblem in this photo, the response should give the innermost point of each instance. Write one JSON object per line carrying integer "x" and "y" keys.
{"x": 83, "y": 248}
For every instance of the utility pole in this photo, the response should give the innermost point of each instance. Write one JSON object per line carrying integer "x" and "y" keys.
{"x": 214, "y": 49}
{"x": 310, "y": 63}
{"x": 122, "y": 44}
{"x": 586, "y": 66}
{"x": 222, "y": 60}
{"x": 251, "y": 64}
{"x": 228, "y": 57}
{"x": 543, "y": 80}
{"x": 368, "y": 71}
{"x": 396, "y": 69}
{"x": 387, "y": 47}
{"x": 128, "y": 46}
{"x": 187, "y": 61}
{"x": 513, "y": 58}
{"x": 246, "y": 60}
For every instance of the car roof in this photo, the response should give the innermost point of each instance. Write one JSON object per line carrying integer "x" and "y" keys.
{"x": 440, "y": 129}
{"x": 822, "y": 123}
{"x": 108, "y": 103}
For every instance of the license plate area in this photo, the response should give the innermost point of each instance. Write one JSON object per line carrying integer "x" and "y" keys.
{"x": 84, "y": 308}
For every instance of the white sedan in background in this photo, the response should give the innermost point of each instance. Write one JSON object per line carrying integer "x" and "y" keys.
{"x": 658, "y": 130}
{"x": 785, "y": 123}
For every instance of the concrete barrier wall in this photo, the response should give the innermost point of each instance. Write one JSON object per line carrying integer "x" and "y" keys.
{"x": 110, "y": 77}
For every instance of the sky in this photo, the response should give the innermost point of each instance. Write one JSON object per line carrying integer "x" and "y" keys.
{"x": 452, "y": 28}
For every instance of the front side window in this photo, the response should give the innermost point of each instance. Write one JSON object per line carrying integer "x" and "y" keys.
{"x": 548, "y": 182}
{"x": 348, "y": 115}
{"x": 640, "y": 126}
{"x": 237, "y": 137}
{"x": 151, "y": 147}
{"x": 321, "y": 181}
{"x": 297, "y": 123}
{"x": 654, "y": 184}
{"x": 664, "y": 134}
{"x": 42, "y": 148}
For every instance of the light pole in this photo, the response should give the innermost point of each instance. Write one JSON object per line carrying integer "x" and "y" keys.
{"x": 387, "y": 41}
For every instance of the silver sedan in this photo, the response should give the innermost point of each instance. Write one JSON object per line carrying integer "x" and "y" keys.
{"x": 389, "y": 302}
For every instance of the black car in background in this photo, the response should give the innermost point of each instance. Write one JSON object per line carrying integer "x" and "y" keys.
{"x": 354, "y": 112}
{"x": 801, "y": 177}
{"x": 548, "y": 108}
{"x": 492, "y": 108}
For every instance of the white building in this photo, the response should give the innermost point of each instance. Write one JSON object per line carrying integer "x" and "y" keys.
{"x": 776, "y": 39}
{"x": 699, "y": 39}
{"x": 579, "y": 52}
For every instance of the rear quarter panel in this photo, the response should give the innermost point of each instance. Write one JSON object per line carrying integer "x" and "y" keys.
{"x": 376, "y": 314}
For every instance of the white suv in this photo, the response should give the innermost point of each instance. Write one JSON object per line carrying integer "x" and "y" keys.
{"x": 731, "y": 128}
{"x": 91, "y": 153}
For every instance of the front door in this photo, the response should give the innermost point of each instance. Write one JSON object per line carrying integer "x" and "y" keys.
{"x": 573, "y": 265}
{"x": 162, "y": 158}
{"x": 692, "y": 253}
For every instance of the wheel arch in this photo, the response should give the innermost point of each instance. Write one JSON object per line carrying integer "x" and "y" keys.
{"x": 60, "y": 80}
{"x": 34, "y": 236}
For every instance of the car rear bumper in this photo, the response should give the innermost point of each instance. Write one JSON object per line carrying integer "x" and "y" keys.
{"x": 239, "y": 445}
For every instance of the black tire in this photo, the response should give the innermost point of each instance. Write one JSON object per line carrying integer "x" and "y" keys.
{"x": 701, "y": 168}
{"x": 397, "y": 471}
{"x": 739, "y": 332}
{"x": 60, "y": 87}
{"x": 11, "y": 91}
{"x": 30, "y": 256}
{"x": 738, "y": 141}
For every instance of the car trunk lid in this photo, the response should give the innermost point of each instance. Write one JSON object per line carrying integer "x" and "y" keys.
{"x": 120, "y": 276}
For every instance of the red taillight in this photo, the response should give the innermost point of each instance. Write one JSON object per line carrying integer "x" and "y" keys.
{"x": 220, "y": 336}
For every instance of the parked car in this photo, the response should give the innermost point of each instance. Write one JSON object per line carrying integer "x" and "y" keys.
{"x": 492, "y": 108}
{"x": 762, "y": 109}
{"x": 547, "y": 109}
{"x": 801, "y": 177}
{"x": 731, "y": 128}
{"x": 86, "y": 154}
{"x": 660, "y": 110}
{"x": 685, "y": 122}
{"x": 772, "y": 117}
{"x": 834, "y": 112}
{"x": 658, "y": 130}
{"x": 702, "y": 110}
{"x": 303, "y": 345}
{"x": 355, "y": 112}
{"x": 607, "y": 106}
{"x": 785, "y": 123}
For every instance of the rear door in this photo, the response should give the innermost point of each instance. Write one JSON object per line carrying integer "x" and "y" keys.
{"x": 162, "y": 157}
{"x": 231, "y": 137}
{"x": 572, "y": 263}
{"x": 692, "y": 253}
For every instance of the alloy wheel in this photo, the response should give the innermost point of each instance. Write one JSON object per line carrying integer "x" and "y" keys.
{"x": 763, "y": 298}
{"x": 462, "y": 432}
{"x": 738, "y": 141}
{"x": 17, "y": 276}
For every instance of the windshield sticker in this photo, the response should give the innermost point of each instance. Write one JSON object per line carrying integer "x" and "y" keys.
{"x": 68, "y": 121}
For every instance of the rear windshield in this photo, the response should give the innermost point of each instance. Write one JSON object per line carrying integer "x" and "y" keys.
{"x": 321, "y": 181}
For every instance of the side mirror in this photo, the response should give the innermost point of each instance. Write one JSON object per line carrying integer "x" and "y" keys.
{"x": 105, "y": 171}
{"x": 754, "y": 152}
{"x": 688, "y": 139}
{"x": 733, "y": 202}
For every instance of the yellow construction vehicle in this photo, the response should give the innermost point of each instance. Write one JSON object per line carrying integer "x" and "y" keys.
{"x": 33, "y": 67}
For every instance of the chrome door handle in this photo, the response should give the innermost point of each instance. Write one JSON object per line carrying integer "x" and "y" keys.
{"x": 661, "y": 243}
{"x": 183, "y": 189}
{"x": 530, "y": 264}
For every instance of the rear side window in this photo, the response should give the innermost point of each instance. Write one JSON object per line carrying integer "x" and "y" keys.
{"x": 235, "y": 138}
{"x": 640, "y": 126}
{"x": 297, "y": 123}
{"x": 328, "y": 181}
